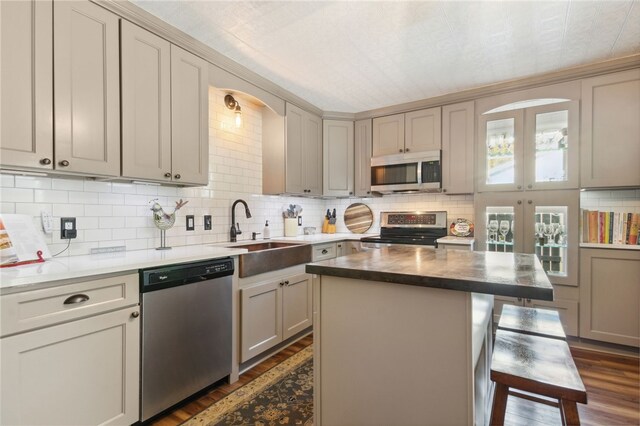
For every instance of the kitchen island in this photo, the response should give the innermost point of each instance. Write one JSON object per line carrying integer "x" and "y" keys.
{"x": 402, "y": 335}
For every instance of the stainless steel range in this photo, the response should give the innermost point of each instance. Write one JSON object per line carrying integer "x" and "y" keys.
{"x": 413, "y": 228}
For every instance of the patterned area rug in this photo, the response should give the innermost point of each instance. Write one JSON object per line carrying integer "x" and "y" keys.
{"x": 281, "y": 396}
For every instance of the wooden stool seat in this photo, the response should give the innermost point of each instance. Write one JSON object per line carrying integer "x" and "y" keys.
{"x": 538, "y": 365}
{"x": 534, "y": 321}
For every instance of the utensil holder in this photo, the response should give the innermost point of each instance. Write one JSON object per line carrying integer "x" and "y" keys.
{"x": 290, "y": 227}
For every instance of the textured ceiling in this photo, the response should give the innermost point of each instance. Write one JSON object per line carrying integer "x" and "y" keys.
{"x": 354, "y": 56}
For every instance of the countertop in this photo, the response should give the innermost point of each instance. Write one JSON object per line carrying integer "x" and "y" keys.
{"x": 504, "y": 274}
{"x": 32, "y": 276}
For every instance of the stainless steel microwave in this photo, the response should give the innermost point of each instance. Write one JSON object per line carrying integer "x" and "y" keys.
{"x": 404, "y": 173}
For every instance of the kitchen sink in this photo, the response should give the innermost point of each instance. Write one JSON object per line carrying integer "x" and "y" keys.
{"x": 270, "y": 256}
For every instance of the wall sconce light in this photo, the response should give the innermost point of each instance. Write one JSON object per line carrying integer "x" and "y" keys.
{"x": 233, "y": 105}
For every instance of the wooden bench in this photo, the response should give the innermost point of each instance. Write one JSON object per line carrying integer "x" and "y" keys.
{"x": 539, "y": 365}
{"x": 534, "y": 321}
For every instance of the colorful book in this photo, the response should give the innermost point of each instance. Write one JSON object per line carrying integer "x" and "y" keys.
{"x": 607, "y": 222}
{"x": 593, "y": 226}
{"x": 584, "y": 225}
{"x": 633, "y": 229}
{"x": 601, "y": 227}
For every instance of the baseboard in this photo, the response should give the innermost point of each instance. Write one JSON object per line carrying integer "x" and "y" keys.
{"x": 597, "y": 346}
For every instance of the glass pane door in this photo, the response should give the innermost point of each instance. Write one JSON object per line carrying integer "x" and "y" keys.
{"x": 500, "y": 225}
{"x": 500, "y": 158}
{"x": 552, "y": 146}
{"x": 551, "y": 236}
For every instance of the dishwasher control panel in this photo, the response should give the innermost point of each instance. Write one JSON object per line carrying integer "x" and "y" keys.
{"x": 170, "y": 276}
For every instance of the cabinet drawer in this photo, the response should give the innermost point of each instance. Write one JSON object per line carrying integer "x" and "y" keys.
{"x": 40, "y": 308}
{"x": 324, "y": 252}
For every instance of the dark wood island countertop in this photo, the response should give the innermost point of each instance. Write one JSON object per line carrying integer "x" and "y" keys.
{"x": 503, "y": 274}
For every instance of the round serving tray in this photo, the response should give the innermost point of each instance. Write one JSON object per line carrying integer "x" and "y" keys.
{"x": 358, "y": 218}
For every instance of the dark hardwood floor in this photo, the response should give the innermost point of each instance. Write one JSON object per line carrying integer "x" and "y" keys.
{"x": 612, "y": 382}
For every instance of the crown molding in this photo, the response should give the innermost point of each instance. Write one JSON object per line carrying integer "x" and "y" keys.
{"x": 146, "y": 20}
{"x": 560, "y": 76}
{"x": 334, "y": 115}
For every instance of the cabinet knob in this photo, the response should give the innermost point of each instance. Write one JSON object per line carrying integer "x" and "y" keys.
{"x": 406, "y": 150}
{"x": 286, "y": 282}
{"x": 281, "y": 283}
{"x": 444, "y": 189}
{"x": 519, "y": 186}
{"x": 530, "y": 202}
{"x": 368, "y": 192}
{"x": 350, "y": 192}
{"x": 45, "y": 161}
{"x": 401, "y": 150}
{"x": 519, "y": 201}
{"x": 530, "y": 186}
{"x": 167, "y": 175}
{"x": 177, "y": 176}
{"x": 135, "y": 314}
{"x": 325, "y": 251}
{"x": 63, "y": 163}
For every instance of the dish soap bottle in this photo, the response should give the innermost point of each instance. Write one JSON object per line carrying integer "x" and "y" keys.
{"x": 266, "y": 232}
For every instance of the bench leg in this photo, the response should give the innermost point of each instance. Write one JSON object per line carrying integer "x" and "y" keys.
{"x": 499, "y": 404}
{"x": 570, "y": 413}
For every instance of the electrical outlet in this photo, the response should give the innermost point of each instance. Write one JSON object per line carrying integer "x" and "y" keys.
{"x": 207, "y": 222}
{"x": 68, "y": 228}
{"x": 191, "y": 225}
{"x": 299, "y": 220}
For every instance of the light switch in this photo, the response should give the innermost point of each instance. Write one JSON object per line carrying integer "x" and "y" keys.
{"x": 190, "y": 223}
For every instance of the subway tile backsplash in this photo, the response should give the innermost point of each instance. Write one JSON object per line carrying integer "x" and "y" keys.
{"x": 118, "y": 214}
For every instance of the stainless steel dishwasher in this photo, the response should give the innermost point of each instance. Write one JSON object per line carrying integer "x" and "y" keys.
{"x": 186, "y": 331}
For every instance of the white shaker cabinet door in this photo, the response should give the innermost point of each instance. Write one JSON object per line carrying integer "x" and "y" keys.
{"x": 294, "y": 135}
{"x": 312, "y": 154}
{"x": 189, "y": 117}
{"x": 146, "y": 104}
{"x": 388, "y": 135}
{"x": 458, "y": 148}
{"x": 84, "y": 372}
{"x": 261, "y": 318}
{"x": 26, "y": 84}
{"x": 87, "y": 88}
{"x": 363, "y": 158}
{"x": 423, "y": 130}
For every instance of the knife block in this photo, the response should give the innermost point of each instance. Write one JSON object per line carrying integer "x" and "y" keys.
{"x": 325, "y": 226}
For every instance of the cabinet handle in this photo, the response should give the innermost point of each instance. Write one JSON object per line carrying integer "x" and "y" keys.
{"x": 76, "y": 298}
{"x": 63, "y": 163}
{"x": 281, "y": 283}
{"x": 529, "y": 202}
{"x": 286, "y": 282}
{"x": 444, "y": 190}
{"x": 167, "y": 175}
{"x": 350, "y": 192}
{"x": 519, "y": 186}
{"x": 45, "y": 161}
{"x": 325, "y": 251}
{"x": 529, "y": 186}
{"x": 401, "y": 150}
{"x": 406, "y": 150}
{"x": 519, "y": 202}
{"x": 135, "y": 314}
{"x": 177, "y": 176}
{"x": 368, "y": 192}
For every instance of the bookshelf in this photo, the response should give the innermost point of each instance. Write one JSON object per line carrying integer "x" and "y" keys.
{"x": 612, "y": 206}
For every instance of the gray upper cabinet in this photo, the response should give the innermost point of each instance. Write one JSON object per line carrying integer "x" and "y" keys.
{"x": 457, "y": 148}
{"x": 610, "y": 130}
{"x": 189, "y": 118}
{"x": 423, "y": 130}
{"x": 86, "y": 87}
{"x": 303, "y": 171}
{"x": 363, "y": 158}
{"x": 338, "y": 151}
{"x": 415, "y": 131}
{"x": 26, "y": 76}
{"x": 146, "y": 107}
{"x": 388, "y": 135}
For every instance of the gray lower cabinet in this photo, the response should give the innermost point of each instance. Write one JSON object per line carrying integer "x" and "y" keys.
{"x": 26, "y": 104}
{"x": 87, "y": 88}
{"x": 71, "y": 354}
{"x": 566, "y": 308}
{"x": 272, "y": 311}
{"x": 610, "y": 295}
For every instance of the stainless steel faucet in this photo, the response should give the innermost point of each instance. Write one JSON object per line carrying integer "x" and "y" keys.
{"x": 235, "y": 230}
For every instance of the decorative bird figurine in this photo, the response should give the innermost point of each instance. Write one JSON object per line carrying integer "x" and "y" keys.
{"x": 162, "y": 220}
